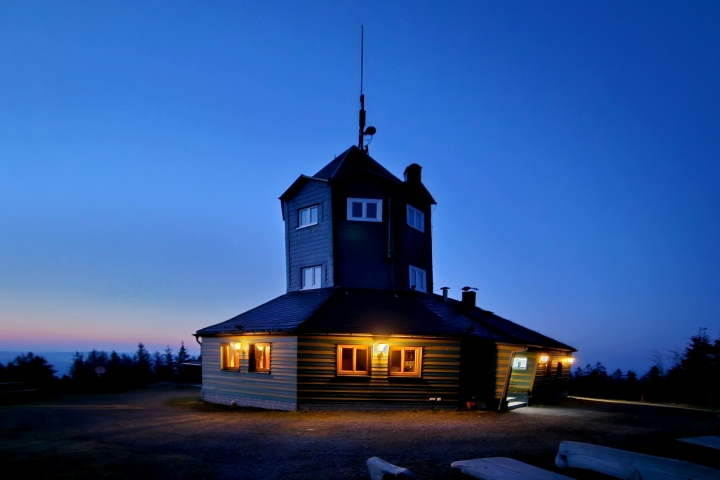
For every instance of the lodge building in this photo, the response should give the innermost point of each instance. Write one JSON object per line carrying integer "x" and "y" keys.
{"x": 361, "y": 326}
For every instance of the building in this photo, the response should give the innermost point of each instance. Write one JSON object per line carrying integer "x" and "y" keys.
{"x": 360, "y": 326}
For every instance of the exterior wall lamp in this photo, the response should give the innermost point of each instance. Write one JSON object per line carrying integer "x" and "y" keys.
{"x": 236, "y": 345}
{"x": 544, "y": 358}
{"x": 380, "y": 349}
{"x": 570, "y": 360}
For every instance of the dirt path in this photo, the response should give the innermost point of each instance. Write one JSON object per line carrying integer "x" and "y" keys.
{"x": 166, "y": 432}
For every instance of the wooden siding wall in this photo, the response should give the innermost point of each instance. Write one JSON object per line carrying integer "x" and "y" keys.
{"x": 279, "y": 385}
{"x": 521, "y": 381}
{"x": 551, "y": 386}
{"x": 319, "y": 383}
{"x": 504, "y": 355}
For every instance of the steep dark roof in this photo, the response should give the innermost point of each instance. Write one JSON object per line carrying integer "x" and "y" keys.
{"x": 351, "y": 161}
{"x": 377, "y": 312}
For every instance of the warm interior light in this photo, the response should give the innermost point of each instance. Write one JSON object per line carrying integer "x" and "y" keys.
{"x": 380, "y": 349}
{"x": 236, "y": 345}
{"x": 570, "y": 360}
{"x": 544, "y": 358}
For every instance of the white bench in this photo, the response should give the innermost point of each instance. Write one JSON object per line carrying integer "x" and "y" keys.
{"x": 382, "y": 470}
{"x": 629, "y": 465}
{"x": 503, "y": 468}
{"x": 711, "y": 441}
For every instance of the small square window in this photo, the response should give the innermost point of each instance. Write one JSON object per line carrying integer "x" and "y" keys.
{"x": 520, "y": 363}
{"x": 260, "y": 357}
{"x": 353, "y": 360}
{"x": 415, "y": 218}
{"x": 308, "y": 216}
{"x": 229, "y": 357}
{"x": 364, "y": 209}
{"x": 405, "y": 361}
{"x": 417, "y": 279}
{"x": 311, "y": 277}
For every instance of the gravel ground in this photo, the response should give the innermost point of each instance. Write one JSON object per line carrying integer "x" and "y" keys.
{"x": 167, "y": 432}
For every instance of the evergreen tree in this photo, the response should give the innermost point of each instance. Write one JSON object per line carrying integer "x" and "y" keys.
{"x": 169, "y": 361}
{"x": 182, "y": 355}
{"x": 32, "y": 370}
{"x": 143, "y": 366}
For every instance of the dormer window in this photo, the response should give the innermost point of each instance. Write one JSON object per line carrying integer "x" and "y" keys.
{"x": 364, "y": 209}
{"x": 311, "y": 277}
{"x": 417, "y": 279}
{"x": 308, "y": 216}
{"x": 415, "y": 218}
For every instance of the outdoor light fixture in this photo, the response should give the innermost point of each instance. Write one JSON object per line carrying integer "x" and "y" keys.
{"x": 544, "y": 358}
{"x": 570, "y": 360}
{"x": 236, "y": 345}
{"x": 380, "y": 349}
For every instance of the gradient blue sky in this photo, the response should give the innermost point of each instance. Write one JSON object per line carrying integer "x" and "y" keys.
{"x": 572, "y": 148}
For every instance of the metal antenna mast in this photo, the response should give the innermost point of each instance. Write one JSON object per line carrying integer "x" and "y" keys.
{"x": 362, "y": 97}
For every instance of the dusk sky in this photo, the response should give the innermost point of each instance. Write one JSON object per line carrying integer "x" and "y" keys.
{"x": 572, "y": 148}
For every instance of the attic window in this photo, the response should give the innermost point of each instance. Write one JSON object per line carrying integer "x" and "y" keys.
{"x": 353, "y": 360}
{"x": 364, "y": 209}
{"x": 311, "y": 277}
{"x": 415, "y": 218}
{"x": 308, "y": 216}
{"x": 417, "y": 279}
{"x": 405, "y": 361}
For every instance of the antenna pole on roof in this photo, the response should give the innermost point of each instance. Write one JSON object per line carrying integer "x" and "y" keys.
{"x": 362, "y": 97}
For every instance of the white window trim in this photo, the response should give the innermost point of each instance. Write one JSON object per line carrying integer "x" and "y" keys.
{"x": 319, "y": 279}
{"x": 520, "y": 363}
{"x": 309, "y": 216}
{"x": 424, "y": 277}
{"x": 364, "y": 201}
{"x": 415, "y": 211}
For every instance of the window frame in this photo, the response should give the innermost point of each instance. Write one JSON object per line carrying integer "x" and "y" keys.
{"x": 302, "y": 277}
{"x": 521, "y": 365}
{"x": 418, "y": 362}
{"x": 424, "y": 278}
{"x": 309, "y": 210}
{"x": 415, "y": 212}
{"x": 354, "y": 373}
{"x": 226, "y": 350}
{"x": 252, "y": 363}
{"x": 365, "y": 202}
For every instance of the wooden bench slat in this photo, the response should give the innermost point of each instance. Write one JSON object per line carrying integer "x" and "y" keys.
{"x": 629, "y": 465}
{"x": 503, "y": 468}
{"x": 710, "y": 441}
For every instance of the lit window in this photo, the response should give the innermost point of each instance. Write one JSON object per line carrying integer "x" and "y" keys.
{"x": 229, "y": 358}
{"x": 520, "y": 363}
{"x": 260, "y": 357}
{"x": 353, "y": 360}
{"x": 311, "y": 277}
{"x": 405, "y": 361}
{"x": 415, "y": 218}
{"x": 308, "y": 216}
{"x": 417, "y": 279}
{"x": 364, "y": 209}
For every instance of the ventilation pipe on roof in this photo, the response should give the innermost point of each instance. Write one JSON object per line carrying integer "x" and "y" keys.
{"x": 445, "y": 290}
{"x": 412, "y": 173}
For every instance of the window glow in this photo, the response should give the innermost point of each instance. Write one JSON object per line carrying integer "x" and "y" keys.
{"x": 520, "y": 363}
{"x": 405, "y": 361}
{"x": 353, "y": 360}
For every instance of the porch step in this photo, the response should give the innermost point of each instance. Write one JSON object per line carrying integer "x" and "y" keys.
{"x": 514, "y": 405}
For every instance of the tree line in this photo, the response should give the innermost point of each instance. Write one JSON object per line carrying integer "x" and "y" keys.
{"x": 99, "y": 371}
{"x": 693, "y": 378}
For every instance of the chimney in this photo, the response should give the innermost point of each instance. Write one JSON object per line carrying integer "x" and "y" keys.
{"x": 445, "y": 289}
{"x": 468, "y": 299}
{"x": 412, "y": 173}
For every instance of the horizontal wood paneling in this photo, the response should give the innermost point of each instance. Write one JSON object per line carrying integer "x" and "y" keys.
{"x": 547, "y": 378}
{"x": 521, "y": 381}
{"x": 280, "y": 384}
{"x": 318, "y": 380}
